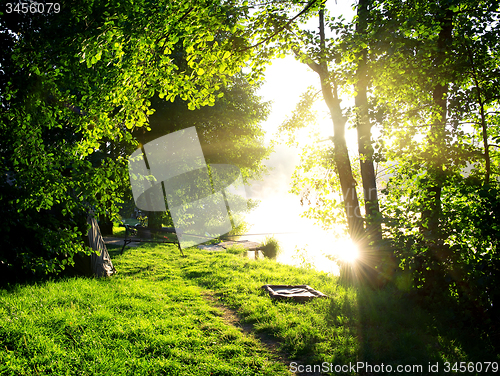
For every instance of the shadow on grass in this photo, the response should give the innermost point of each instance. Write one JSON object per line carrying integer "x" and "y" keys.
{"x": 114, "y": 250}
{"x": 394, "y": 330}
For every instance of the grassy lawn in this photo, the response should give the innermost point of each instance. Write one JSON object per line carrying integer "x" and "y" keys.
{"x": 161, "y": 315}
{"x": 118, "y": 231}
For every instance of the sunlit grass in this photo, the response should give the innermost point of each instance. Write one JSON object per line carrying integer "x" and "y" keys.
{"x": 145, "y": 320}
{"x": 236, "y": 249}
{"x": 119, "y": 231}
{"x": 153, "y": 318}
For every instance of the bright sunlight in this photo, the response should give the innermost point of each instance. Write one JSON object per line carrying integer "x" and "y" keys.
{"x": 346, "y": 250}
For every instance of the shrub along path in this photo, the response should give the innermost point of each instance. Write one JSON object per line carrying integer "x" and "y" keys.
{"x": 163, "y": 314}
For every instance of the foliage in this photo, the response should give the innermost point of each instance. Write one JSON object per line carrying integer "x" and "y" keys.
{"x": 241, "y": 227}
{"x": 229, "y": 130}
{"x": 76, "y": 80}
{"x": 333, "y": 52}
{"x": 433, "y": 91}
{"x": 436, "y": 102}
{"x": 271, "y": 248}
{"x": 465, "y": 267}
{"x": 303, "y": 258}
{"x": 473, "y": 236}
{"x": 302, "y": 117}
{"x": 316, "y": 182}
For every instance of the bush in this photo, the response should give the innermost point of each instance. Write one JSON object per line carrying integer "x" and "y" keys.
{"x": 271, "y": 248}
{"x": 463, "y": 264}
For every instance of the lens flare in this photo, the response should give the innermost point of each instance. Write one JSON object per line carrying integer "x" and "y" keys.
{"x": 346, "y": 251}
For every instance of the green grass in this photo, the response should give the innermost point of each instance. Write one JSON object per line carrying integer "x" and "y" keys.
{"x": 118, "y": 231}
{"x": 236, "y": 249}
{"x": 153, "y": 318}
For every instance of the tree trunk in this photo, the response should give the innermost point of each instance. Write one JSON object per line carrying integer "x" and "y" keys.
{"x": 437, "y": 136}
{"x": 363, "y": 126}
{"x": 105, "y": 225}
{"x": 378, "y": 264}
{"x": 341, "y": 156}
{"x": 484, "y": 128}
{"x": 154, "y": 219}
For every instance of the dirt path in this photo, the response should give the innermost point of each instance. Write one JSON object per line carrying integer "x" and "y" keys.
{"x": 230, "y": 317}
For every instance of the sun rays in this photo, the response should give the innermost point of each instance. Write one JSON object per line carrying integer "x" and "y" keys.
{"x": 346, "y": 251}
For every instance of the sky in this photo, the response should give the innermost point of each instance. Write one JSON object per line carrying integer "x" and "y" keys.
{"x": 279, "y": 212}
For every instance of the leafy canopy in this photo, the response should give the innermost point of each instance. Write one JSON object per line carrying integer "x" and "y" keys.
{"x": 84, "y": 75}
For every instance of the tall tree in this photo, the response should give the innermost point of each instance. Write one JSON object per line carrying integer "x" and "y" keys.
{"x": 276, "y": 31}
{"x": 336, "y": 59}
{"x": 435, "y": 77}
{"x": 363, "y": 127}
{"x": 84, "y": 75}
{"x": 437, "y": 137}
{"x": 329, "y": 89}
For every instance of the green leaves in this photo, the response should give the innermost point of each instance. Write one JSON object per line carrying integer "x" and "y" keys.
{"x": 302, "y": 116}
{"x": 79, "y": 81}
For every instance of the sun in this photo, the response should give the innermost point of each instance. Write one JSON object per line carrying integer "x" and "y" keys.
{"x": 346, "y": 250}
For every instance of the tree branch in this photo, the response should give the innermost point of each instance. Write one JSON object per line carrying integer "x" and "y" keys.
{"x": 165, "y": 36}
{"x": 279, "y": 30}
